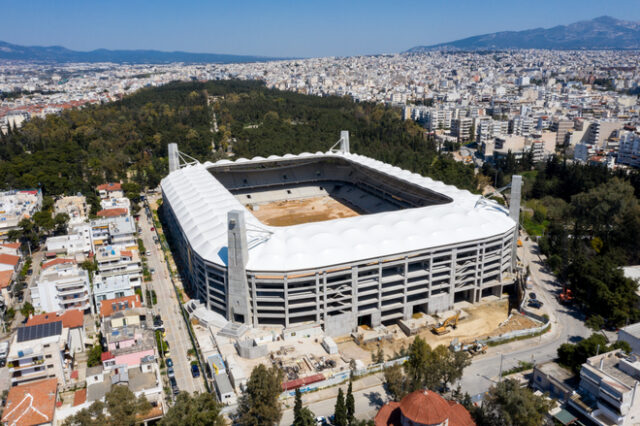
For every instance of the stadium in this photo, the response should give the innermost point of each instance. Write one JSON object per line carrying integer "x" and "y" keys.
{"x": 334, "y": 239}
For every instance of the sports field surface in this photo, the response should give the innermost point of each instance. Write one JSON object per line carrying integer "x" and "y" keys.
{"x": 295, "y": 212}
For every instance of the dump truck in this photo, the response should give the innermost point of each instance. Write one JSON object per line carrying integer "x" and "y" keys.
{"x": 443, "y": 327}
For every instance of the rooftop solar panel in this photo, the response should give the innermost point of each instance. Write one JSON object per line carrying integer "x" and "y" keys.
{"x": 39, "y": 331}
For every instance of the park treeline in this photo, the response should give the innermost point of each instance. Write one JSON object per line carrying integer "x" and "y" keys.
{"x": 127, "y": 139}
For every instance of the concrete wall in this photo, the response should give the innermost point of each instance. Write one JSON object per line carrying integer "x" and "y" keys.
{"x": 339, "y": 325}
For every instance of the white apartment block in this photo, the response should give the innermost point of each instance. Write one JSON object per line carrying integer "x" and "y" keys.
{"x": 70, "y": 245}
{"x": 74, "y": 206}
{"x": 16, "y": 205}
{"x": 39, "y": 352}
{"x": 609, "y": 385}
{"x": 62, "y": 285}
{"x": 629, "y": 151}
{"x": 114, "y": 286}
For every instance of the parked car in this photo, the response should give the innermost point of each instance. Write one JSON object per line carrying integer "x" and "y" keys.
{"x": 174, "y": 385}
{"x": 195, "y": 371}
{"x": 169, "y": 362}
{"x": 170, "y": 372}
{"x": 148, "y": 253}
{"x": 153, "y": 229}
{"x": 532, "y": 296}
{"x": 534, "y": 303}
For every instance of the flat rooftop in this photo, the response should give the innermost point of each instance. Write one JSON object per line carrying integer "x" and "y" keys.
{"x": 426, "y": 213}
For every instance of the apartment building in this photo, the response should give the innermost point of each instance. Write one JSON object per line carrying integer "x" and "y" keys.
{"x": 461, "y": 128}
{"x": 110, "y": 190}
{"x": 16, "y": 205}
{"x": 39, "y": 352}
{"x": 62, "y": 285}
{"x": 629, "y": 151}
{"x": 74, "y": 206}
{"x": 609, "y": 389}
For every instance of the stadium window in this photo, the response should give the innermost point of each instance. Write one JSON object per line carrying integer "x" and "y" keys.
{"x": 288, "y": 191}
{"x": 248, "y": 196}
{"x": 284, "y": 177}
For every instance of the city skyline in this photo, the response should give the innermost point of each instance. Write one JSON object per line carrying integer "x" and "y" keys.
{"x": 282, "y": 28}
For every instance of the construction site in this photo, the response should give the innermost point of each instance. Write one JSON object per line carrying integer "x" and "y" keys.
{"x": 463, "y": 326}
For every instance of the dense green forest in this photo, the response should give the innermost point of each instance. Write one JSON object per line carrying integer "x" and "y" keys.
{"x": 126, "y": 140}
{"x": 587, "y": 219}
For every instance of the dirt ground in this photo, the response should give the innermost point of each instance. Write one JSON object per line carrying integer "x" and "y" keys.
{"x": 295, "y": 212}
{"x": 482, "y": 320}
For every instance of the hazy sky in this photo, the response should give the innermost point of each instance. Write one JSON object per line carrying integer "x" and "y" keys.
{"x": 284, "y": 28}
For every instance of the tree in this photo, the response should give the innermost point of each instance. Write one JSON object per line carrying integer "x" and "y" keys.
{"x": 302, "y": 416}
{"x": 509, "y": 404}
{"x": 199, "y": 409}
{"x": 95, "y": 355}
{"x": 27, "y": 309}
{"x": 350, "y": 404}
{"x": 121, "y": 405}
{"x": 574, "y": 355}
{"x": 259, "y": 403}
{"x": 395, "y": 382}
{"x": 340, "y": 414}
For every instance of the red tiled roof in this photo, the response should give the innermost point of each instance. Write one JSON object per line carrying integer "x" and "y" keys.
{"x": 73, "y": 318}
{"x": 31, "y": 404}
{"x": 75, "y": 374}
{"x": 111, "y": 186}
{"x": 423, "y": 407}
{"x": 118, "y": 211}
{"x": 108, "y": 307}
{"x": 104, "y": 356}
{"x": 9, "y": 259}
{"x": 5, "y": 278}
{"x": 59, "y": 261}
{"x": 11, "y": 245}
{"x": 389, "y": 415}
{"x": 79, "y": 397}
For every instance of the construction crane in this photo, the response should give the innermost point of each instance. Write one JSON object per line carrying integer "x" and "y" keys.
{"x": 442, "y": 328}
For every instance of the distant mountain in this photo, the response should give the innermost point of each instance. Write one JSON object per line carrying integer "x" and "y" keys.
{"x": 604, "y": 32}
{"x": 62, "y": 54}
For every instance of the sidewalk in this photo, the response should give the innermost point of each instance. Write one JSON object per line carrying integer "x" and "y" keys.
{"x": 331, "y": 392}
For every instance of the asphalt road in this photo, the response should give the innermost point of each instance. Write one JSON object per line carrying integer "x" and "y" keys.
{"x": 566, "y": 325}
{"x": 169, "y": 309}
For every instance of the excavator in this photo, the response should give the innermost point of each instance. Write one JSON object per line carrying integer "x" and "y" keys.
{"x": 442, "y": 328}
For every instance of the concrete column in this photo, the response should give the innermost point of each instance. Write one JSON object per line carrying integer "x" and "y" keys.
{"x": 318, "y": 304}
{"x": 514, "y": 213}
{"x": 344, "y": 141}
{"x": 254, "y": 297}
{"x": 238, "y": 309}
{"x": 354, "y": 291}
{"x": 407, "y": 309}
{"x": 174, "y": 160}
{"x": 452, "y": 277}
{"x": 286, "y": 302}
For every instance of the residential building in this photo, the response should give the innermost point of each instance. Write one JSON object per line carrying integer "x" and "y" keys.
{"x": 112, "y": 287}
{"x": 39, "y": 352}
{"x": 609, "y": 389}
{"x": 629, "y": 151}
{"x": 62, "y": 285}
{"x": 73, "y": 319}
{"x": 16, "y": 205}
{"x": 31, "y": 404}
{"x": 74, "y": 206}
{"x": 110, "y": 190}
{"x": 461, "y": 128}
{"x": 69, "y": 245}
{"x": 631, "y": 335}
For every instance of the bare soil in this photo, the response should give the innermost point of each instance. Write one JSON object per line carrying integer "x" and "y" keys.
{"x": 482, "y": 320}
{"x": 295, "y": 212}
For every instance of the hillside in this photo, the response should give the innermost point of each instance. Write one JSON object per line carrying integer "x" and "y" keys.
{"x": 61, "y": 54}
{"x": 597, "y": 34}
{"x": 127, "y": 140}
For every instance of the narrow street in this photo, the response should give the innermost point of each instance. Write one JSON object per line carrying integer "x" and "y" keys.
{"x": 169, "y": 309}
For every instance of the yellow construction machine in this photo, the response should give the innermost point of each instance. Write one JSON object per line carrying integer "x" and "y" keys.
{"x": 443, "y": 327}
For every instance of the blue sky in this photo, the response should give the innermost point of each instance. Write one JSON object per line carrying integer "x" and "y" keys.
{"x": 299, "y": 28}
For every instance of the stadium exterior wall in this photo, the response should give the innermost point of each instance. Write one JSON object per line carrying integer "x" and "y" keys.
{"x": 370, "y": 291}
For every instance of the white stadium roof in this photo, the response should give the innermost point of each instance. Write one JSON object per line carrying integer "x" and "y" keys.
{"x": 201, "y": 203}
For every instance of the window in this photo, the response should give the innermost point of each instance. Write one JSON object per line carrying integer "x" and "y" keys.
{"x": 46, "y": 346}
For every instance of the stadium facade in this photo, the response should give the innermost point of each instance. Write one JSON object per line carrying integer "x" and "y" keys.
{"x": 410, "y": 244}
